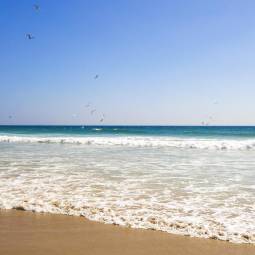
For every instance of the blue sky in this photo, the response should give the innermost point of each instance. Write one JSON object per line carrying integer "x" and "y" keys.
{"x": 159, "y": 62}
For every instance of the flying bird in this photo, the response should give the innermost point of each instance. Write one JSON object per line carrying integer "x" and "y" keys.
{"x": 92, "y": 112}
{"x": 102, "y": 117}
{"x": 96, "y": 76}
{"x": 87, "y": 105}
{"x": 30, "y": 36}
{"x": 36, "y": 7}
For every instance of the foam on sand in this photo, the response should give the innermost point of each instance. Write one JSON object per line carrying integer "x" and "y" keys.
{"x": 21, "y": 229}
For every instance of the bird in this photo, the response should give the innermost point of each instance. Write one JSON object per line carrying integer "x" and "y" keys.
{"x": 102, "y": 117}
{"x": 10, "y": 117}
{"x": 96, "y": 76}
{"x": 36, "y": 7}
{"x": 92, "y": 111}
{"x": 87, "y": 105}
{"x": 30, "y": 36}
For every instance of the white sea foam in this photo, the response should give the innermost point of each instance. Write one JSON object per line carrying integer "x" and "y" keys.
{"x": 140, "y": 141}
{"x": 202, "y": 193}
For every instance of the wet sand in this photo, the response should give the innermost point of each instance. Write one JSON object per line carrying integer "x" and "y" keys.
{"x": 27, "y": 233}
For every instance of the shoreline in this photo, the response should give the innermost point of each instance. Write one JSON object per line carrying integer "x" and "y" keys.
{"x": 26, "y": 233}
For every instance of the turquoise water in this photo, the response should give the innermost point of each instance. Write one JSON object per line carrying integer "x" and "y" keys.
{"x": 196, "y": 181}
{"x": 179, "y": 131}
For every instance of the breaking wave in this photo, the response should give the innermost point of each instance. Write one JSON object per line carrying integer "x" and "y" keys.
{"x": 139, "y": 141}
{"x": 169, "y": 184}
{"x": 153, "y": 218}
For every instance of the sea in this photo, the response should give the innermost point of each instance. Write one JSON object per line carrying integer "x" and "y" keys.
{"x": 195, "y": 181}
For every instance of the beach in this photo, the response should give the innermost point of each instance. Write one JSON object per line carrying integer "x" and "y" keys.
{"x": 127, "y": 127}
{"x": 187, "y": 181}
{"x": 27, "y": 233}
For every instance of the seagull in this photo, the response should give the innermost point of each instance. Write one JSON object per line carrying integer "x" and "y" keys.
{"x": 87, "y": 105}
{"x": 91, "y": 112}
{"x": 30, "y": 36}
{"x": 96, "y": 76}
{"x": 36, "y": 7}
{"x": 102, "y": 118}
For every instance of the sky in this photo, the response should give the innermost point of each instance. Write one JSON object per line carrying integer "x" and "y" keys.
{"x": 159, "y": 62}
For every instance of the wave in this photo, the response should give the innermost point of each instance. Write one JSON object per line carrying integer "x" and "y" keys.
{"x": 209, "y": 194}
{"x": 146, "y": 220}
{"x": 131, "y": 141}
{"x": 97, "y": 129}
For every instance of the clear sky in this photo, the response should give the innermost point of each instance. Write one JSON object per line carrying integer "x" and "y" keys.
{"x": 159, "y": 62}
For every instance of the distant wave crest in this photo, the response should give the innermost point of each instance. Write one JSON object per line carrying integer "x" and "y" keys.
{"x": 136, "y": 141}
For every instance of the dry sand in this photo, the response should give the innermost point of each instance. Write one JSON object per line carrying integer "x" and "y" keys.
{"x": 27, "y": 233}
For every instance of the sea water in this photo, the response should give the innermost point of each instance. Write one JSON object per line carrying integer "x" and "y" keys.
{"x": 195, "y": 181}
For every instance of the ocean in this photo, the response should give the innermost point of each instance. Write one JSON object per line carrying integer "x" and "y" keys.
{"x": 188, "y": 180}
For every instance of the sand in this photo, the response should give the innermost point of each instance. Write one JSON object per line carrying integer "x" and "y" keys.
{"x": 27, "y": 233}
